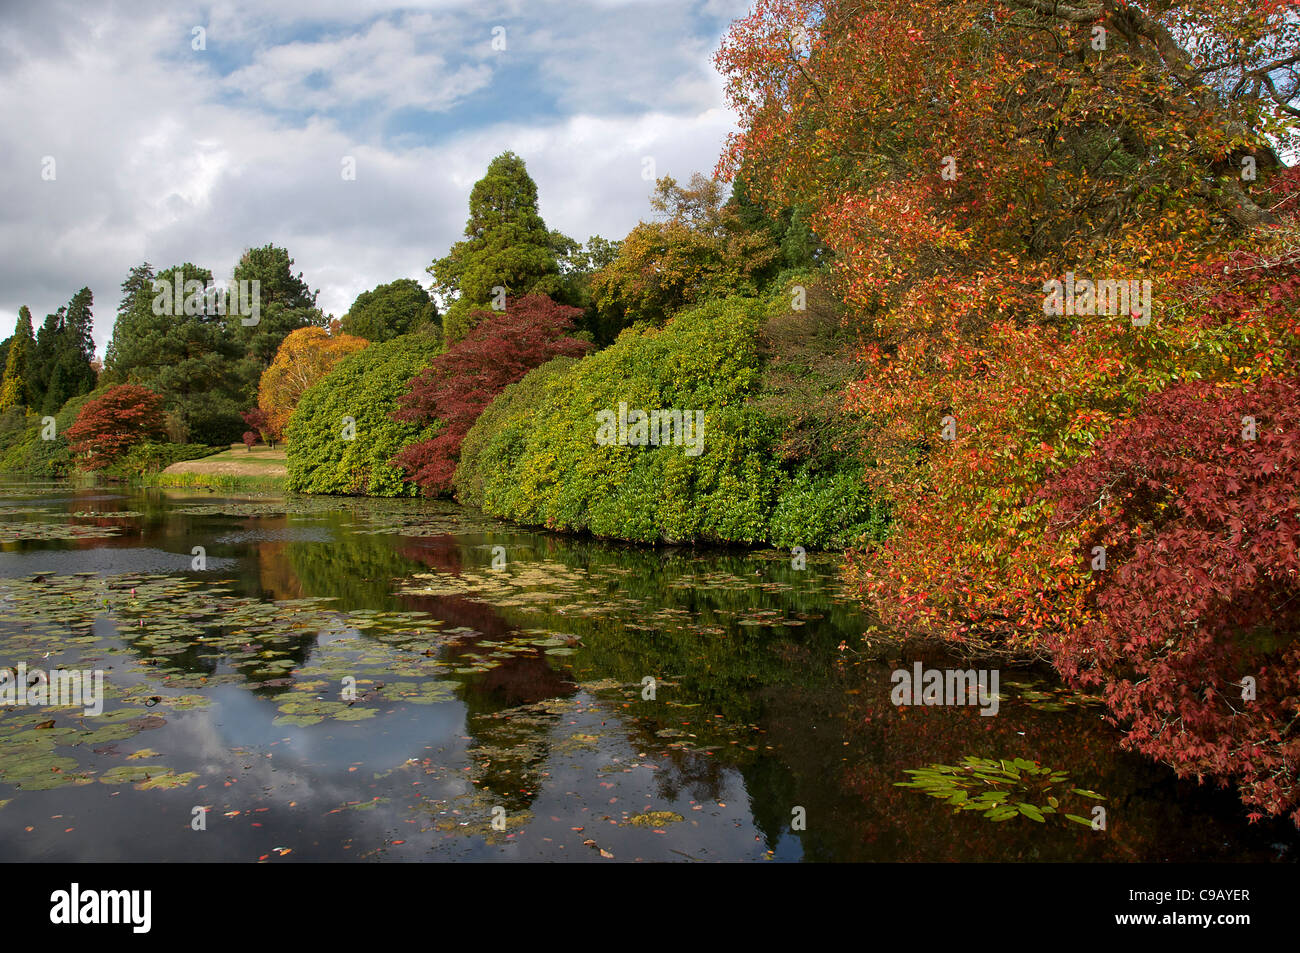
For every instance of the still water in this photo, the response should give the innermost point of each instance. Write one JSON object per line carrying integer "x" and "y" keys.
{"x": 340, "y": 679}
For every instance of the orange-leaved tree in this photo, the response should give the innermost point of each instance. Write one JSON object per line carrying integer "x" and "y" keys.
{"x": 962, "y": 154}
{"x": 304, "y": 357}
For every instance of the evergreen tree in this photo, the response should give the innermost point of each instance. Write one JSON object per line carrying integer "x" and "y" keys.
{"x": 286, "y": 304}
{"x": 15, "y": 386}
{"x": 62, "y": 355}
{"x": 192, "y": 361}
{"x": 389, "y": 310}
{"x": 43, "y": 352}
{"x": 506, "y": 245}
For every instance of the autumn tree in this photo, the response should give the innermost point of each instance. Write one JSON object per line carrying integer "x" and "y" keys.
{"x": 1189, "y": 519}
{"x": 938, "y": 139}
{"x": 958, "y": 155}
{"x": 111, "y": 424}
{"x": 305, "y": 356}
{"x": 699, "y": 250}
{"x": 499, "y": 350}
{"x": 260, "y": 426}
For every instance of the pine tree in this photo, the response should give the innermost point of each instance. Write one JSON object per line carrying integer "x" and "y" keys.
{"x": 285, "y": 303}
{"x": 69, "y": 350}
{"x": 137, "y": 297}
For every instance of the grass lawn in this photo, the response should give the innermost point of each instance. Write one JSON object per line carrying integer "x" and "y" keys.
{"x": 237, "y": 461}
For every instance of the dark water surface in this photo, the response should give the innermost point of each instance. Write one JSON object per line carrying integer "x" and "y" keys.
{"x": 516, "y": 698}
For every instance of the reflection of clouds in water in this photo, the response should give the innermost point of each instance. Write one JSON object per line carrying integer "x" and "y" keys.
{"x": 104, "y": 560}
{"x": 231, "y": 742}
{"x": 283, "y": 535}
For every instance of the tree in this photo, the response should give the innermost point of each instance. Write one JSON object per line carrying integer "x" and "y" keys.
{"x": 463, "y": 380}
{"x": 305, "y": 356}
{"x": 700, "y": 251}
{"x": 286, "y": 303}
{"x": 956, "y": 156}
{"x": 1074, "y": 130}
{"x": 15, "y": 387}
{"x": 62, "y": 355}
{"x": 789, "y": 228}
{"x": 257, "y": 419}
{"x": 506, "y": 246}
{"x": 187, "y": 356}
{"x": 1195, "y": 504}
{"x": 111, "y": 424}
{"x": 390, "y": 310}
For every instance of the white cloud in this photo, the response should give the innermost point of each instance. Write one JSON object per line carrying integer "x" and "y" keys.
{"x": 162, "y": 157}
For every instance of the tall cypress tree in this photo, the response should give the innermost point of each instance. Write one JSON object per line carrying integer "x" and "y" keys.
{"x": 15, "y": 386}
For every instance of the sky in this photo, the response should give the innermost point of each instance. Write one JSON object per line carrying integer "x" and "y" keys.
{"x": 171, "y": 132}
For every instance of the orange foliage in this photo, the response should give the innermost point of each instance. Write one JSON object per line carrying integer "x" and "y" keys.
{"x": 305, "y": 356}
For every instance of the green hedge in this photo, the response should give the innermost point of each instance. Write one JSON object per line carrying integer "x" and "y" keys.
{"x": 365, "y": 386}
{"x": 497, "y": 437}
{"x": 826, "y": 510}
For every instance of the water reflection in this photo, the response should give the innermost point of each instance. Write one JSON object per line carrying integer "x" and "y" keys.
{"x": 504, "y": 713}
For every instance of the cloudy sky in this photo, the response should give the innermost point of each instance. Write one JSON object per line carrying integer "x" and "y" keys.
{"x": 167, "y": 153}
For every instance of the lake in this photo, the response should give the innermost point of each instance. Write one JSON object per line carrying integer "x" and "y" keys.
{"x": 351, "y": 679}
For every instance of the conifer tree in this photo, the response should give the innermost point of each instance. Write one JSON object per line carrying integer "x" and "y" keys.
{"x": 506, "y": 246}
{"x": 15, "y": 386}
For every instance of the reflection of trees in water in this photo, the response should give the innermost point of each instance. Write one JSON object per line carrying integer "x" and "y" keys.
{"x": 513, "y": 748}
{"x": 356, "y": 568}
{"x": 709, "y": 659}
{"x": 276, "y": 578}
{"x": 702, "y": 777}
{"x": 856, "y": 812}
{"x": 439, "y": 553}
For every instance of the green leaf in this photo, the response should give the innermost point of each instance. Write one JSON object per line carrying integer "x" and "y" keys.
{"x": 1031, "y": 812}
{"x": 1086, "y": 793}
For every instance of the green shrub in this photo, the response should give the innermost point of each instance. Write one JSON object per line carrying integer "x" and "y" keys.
{"x": 28, "y": 453}
{"x": 546, "y": 467}
{"x": 533, "y": 455}
{"x": 364, "y": 386}
{"x": 826, "y": 510}
{"x": 497, "y": 437}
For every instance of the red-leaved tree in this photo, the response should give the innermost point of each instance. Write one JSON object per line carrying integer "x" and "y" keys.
{"x": 259, "y": 423}
{"x": 465, "y": 378}
{"x": 113, "y": 423}
{"x": 1195, "y": 634}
